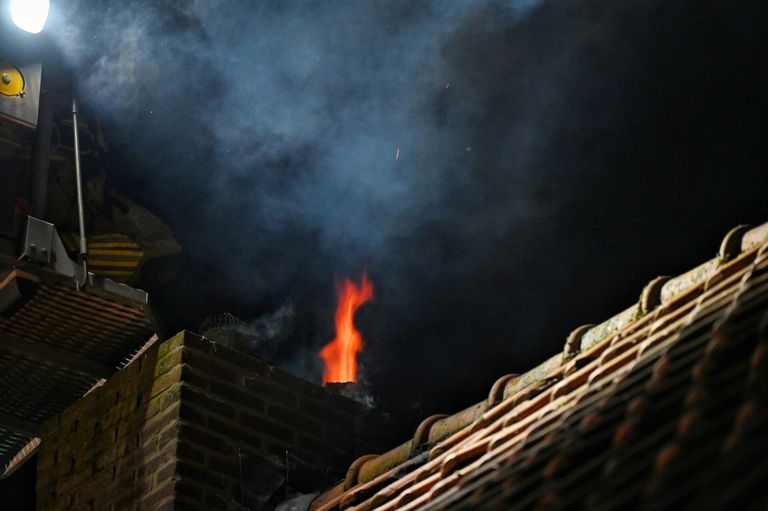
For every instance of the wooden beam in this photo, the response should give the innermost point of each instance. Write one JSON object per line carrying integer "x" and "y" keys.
{"x": 55, "y": 356}
{"x": 19, "y": 425}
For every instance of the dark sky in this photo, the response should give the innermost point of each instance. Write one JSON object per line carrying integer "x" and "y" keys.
{"x": 553, "y": 158}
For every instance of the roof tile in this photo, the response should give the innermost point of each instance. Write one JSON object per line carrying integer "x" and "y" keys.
{"x": 673, "y": 386}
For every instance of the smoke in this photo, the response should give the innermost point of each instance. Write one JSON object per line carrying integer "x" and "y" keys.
{"x": 288, "y": 113}
{"x": 260, "y": 337}
{"x": 506, "y": 171}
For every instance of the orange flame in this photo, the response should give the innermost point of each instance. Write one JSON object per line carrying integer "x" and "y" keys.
{"x": 340, "y": 354}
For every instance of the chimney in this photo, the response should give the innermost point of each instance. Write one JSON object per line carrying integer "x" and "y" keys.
{"x": 195, "y": 425}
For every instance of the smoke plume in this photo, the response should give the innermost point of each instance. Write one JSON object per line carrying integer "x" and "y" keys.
{"x": 506, "y": 171}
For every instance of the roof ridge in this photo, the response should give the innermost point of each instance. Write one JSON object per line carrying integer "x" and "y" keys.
{"x": 660, "y": 296}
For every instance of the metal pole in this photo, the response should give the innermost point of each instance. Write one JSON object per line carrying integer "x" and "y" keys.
{"x": 79, "y": 186}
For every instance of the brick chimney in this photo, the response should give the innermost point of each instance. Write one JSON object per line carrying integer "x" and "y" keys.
{"x": 195, "y": 425}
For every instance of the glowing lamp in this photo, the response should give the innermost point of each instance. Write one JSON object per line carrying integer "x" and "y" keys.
{"x": 30, "y": 15}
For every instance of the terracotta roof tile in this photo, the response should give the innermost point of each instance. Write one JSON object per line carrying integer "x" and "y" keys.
{"x": 663, "y": 405}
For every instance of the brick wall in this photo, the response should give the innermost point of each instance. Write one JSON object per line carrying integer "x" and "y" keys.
{"x": 195, "y": 425}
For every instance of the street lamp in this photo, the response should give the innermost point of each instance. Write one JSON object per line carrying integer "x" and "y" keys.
{"x": 30, "y": 15}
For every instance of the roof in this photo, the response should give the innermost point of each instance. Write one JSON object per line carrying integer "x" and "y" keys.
{"x": 663, "y": 406}
{"x": 57, "y": 342}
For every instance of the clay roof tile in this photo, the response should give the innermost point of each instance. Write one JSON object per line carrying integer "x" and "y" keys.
{"x": 673, "y": 384}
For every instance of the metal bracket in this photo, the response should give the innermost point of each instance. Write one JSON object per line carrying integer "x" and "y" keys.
{"x": 43, "y": 245}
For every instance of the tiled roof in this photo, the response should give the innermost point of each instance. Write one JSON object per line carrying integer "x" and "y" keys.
{"x": 56, "y": 343}
{"x": 665, "y": 405}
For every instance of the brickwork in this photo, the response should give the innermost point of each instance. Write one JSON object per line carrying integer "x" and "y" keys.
{"x": 195, "y": 425}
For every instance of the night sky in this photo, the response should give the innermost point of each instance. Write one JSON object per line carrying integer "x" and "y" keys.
{"x": 554, "y": 157}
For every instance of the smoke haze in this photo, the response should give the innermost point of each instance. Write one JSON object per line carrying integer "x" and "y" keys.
{"x": 506, "y": 171}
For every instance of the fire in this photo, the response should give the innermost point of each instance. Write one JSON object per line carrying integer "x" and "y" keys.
{"x": 340, "y": 354}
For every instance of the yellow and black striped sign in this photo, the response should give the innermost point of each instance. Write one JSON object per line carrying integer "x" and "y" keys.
{"x": 115, "y": 256}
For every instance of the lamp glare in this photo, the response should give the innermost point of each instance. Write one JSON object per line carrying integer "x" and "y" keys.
{"x": 30, "y": 15}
